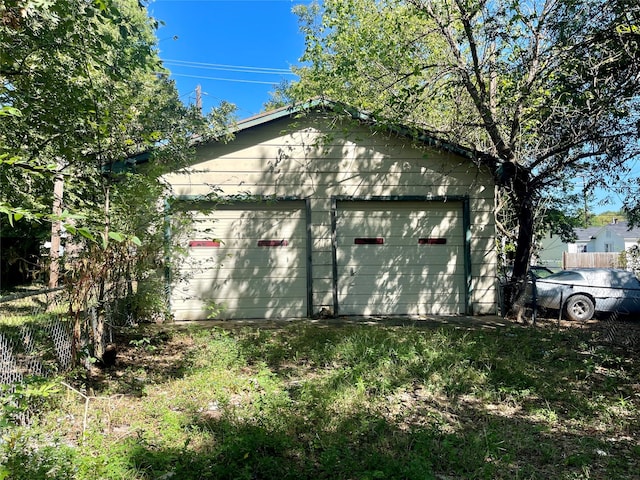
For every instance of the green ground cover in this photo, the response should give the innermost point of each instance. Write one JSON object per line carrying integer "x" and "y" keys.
{"x": 338, "y": 401}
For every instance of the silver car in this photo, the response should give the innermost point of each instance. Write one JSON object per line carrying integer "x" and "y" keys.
{"x": 581, "y": 292}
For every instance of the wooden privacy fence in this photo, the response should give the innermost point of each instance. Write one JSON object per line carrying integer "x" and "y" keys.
{"x": 591, "y": 260}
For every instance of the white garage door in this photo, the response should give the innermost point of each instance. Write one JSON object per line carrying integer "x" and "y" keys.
{"x": 400, "y": 258}
{"x": 246, "y": 261}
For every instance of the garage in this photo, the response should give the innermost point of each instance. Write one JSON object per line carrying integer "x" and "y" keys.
{"x": 400, "y": 257}
{"x": 246, "y": 260}
{"x": 332, "y": 215}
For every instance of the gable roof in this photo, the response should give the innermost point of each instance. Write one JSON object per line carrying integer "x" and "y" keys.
{"x": 619, "y": 228}
{"x": 623, "y": 230}
{"x": 586, "y": 234}
{"x": 421, "y": 137}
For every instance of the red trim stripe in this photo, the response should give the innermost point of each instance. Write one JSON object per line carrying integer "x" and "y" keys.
{"x": 369, "y": 241}
{"x": 273, "y": 243}
{"x": 432, "y": 241}
{"x": 204, "y": 243}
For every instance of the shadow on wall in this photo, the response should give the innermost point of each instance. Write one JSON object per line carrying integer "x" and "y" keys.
{"x": 256, "y": 267}
{"x": 417, "y": 268}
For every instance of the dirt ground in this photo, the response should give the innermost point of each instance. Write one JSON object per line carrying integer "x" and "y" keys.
{"x": 163, "y": 354}
{"x": 620, "y": 332}
{"x": 478, "y": 322}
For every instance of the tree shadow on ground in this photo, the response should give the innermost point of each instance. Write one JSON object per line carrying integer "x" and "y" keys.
{"x": 482, "y": 444}
{"x": 491, "y": 403}
{"x": 147, "y": 355}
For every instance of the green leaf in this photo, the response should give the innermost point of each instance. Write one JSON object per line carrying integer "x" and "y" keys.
{"x": 118, "y": 237}
{"x": 4, "y": 472}
{"x": 10, "y": 111}
{"x": 86, "y": 234}
{"x": 136, "y": 240}
{"x": 101, "y": 4}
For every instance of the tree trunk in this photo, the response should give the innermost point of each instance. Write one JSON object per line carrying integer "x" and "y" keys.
{"x": 526, "y": 215}
{"x": 517, "y": 286}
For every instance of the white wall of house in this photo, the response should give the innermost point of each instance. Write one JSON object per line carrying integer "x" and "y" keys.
{"x": 611, "y": 238}
{"x": 328, "y": 163}
{"x": 608, "y": 241}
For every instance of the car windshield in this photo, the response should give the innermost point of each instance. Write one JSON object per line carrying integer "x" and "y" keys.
{"x": 541, "y": 272}
{"x": 566, "y": 276}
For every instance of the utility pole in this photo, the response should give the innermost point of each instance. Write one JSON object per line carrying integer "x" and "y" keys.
{"x": 586, "y": 201}
{"x": 199, "y": 98}
{"x": 56, "y": 226}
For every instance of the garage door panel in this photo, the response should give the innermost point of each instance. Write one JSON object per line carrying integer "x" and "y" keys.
{"x": 244, "y": 224}
{"x": 194, "y": 293}
{"x": 418, "y": 243}
{"x": 260, "y": 262}
{"x": 369, "y": 227}
{"x": 371, "y": 274}
{"x": 222, "y": 291}
{"x": 225, "y": 212}
{"x": 419, "y": 209}
{"x": 418, "y": 216}
{"x": 213, "y": 276}
{"x": 443, "y": 285}
{"x": 278, "y": 245}
{"x": 232, "y": 233}
{"x": 415, "y": 264}
{"x": 447, "y": 305}
{"x": 226, "y": 275}
{"x": 397, "y": 265}
{"x": 391, "y": 256}
{"x": 237, "y": 309}
{"x": 235, "y": 232}
{"x": 194, "y": 303}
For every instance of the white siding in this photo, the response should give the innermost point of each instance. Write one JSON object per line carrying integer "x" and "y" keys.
{"x": 242, "y": 276}
{"x": 404, "y": 274}
{"x": 318, "y": 159}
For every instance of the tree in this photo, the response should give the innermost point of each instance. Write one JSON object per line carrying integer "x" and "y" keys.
{"x": 84, "y": 97}
{"x": 279, "y": 97}
{"x": 547, "y": 88}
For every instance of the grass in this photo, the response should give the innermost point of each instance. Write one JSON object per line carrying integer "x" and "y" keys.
{"x": 31, "y": 306}
{"x": 342, "y": 402}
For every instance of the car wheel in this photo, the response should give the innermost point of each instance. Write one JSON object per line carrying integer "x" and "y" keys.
{"x": 579, "y": 308}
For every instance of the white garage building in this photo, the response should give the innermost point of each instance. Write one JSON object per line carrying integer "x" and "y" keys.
{"x": 308, "y": 211}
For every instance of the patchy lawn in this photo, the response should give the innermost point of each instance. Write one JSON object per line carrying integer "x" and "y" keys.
{"x": 344, "y": 400}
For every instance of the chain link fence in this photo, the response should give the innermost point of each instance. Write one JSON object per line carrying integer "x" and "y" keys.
{"x": 35, "y": 335}
{"x": 43, "y": 333}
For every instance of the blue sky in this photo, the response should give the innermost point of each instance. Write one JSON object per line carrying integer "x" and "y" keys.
{"x": 235, "y": 49}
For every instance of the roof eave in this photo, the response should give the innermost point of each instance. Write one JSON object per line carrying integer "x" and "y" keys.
{"x": 419, "y": 136}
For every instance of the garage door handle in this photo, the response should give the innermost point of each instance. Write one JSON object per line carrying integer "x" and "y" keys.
{"x": 273, "y": 243}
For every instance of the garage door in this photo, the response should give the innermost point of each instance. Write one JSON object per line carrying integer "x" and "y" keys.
{"x": 245, "y": 261}
{"x": 400, "y": 258}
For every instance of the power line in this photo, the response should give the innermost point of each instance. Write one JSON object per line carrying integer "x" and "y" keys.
{"x": 223, "y": 79}
{"x": 230, "y": 68}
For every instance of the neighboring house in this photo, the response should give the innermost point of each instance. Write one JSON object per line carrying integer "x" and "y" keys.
{"x": 324, "y": 215}
{"x": 614, "y": 237}
{"x": 550, "y": 252}
{"x": 585, "y": 240}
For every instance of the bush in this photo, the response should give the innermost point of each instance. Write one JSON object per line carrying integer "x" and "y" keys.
{"x": 23, "y": 459}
